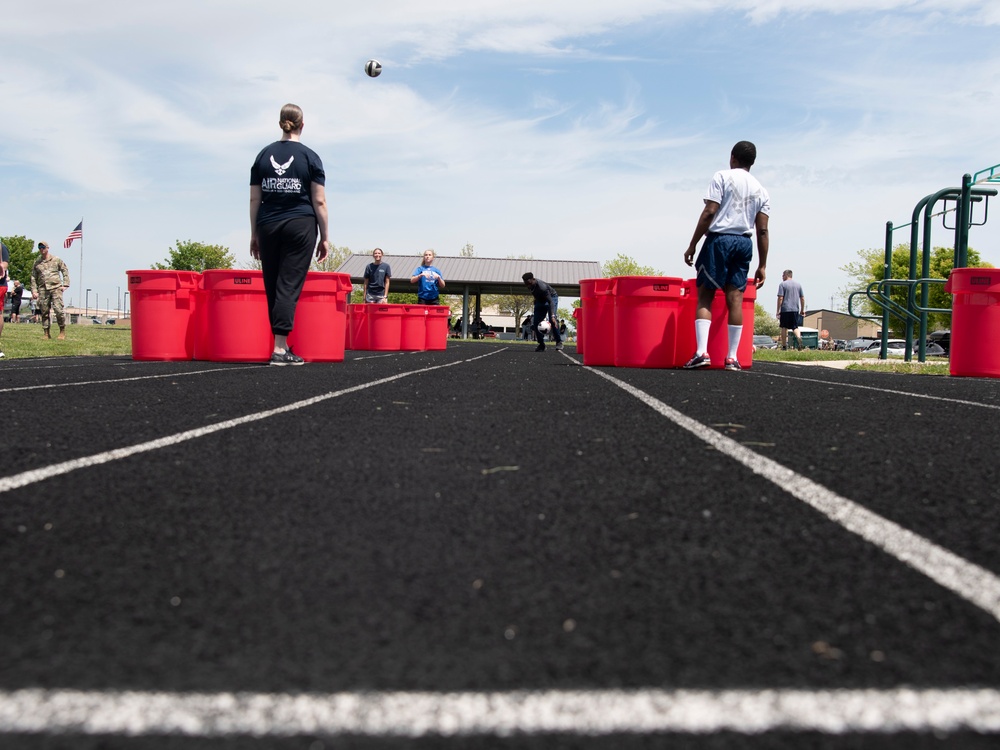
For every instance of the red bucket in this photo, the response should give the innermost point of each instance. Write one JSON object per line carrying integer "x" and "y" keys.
{"x": 718, "y": 335}
{"x": 578, "y": 317}
{"x": 413, "y": 328}
{"x": 975, "y": 322}
{"x": 598, "y": 304}
{"x": 319, "y": 333}
{"x": 238, "y": 329}
{"x": 163, "y": 314}
{"x": 437, "y": 327}
{"x": 385, "y": 327}
{"x": 646, "y": 313}
{"x": 357, "y": 327}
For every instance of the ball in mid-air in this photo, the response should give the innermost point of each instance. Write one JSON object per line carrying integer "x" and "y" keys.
{"x": 373, "y": 68}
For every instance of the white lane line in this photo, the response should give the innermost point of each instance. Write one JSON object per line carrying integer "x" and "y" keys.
{"x": 25, "y": 478}
{"x": 945, "y": 399}
{"x": 419, "y": 714}
{"x": 968, "y": 580}
{"x": 110, "y": 380}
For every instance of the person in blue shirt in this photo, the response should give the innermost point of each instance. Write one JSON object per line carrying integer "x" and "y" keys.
{"x": 430, "y": 280}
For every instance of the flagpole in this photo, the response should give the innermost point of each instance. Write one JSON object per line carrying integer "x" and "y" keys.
{"x": 80, "y": 282}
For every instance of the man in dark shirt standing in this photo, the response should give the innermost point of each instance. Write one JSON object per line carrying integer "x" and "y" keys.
{"x": 546, "y": 306}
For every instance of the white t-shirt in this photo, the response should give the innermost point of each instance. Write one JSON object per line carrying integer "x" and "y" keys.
{"x": 740, "y": 198}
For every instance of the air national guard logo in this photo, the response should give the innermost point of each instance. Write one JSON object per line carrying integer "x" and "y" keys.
{"x": 280, "y": 169}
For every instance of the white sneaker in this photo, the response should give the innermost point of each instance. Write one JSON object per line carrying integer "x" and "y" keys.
{"x": 1, "y": 355}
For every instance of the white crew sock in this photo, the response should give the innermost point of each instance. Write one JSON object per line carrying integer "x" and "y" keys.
{"x": 701, "y": 328}
{"x": 735, "y": 333}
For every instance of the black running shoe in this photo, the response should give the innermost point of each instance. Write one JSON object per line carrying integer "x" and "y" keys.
{"x": 286, "y": 358}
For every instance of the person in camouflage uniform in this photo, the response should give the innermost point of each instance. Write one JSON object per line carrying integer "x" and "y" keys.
{"x": 49, "y": 277}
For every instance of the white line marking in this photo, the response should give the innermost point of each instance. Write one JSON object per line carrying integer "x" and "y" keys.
{"x": 879, "y": 390}
{"x": 418, "y": 714}
{"x": 25, "y": 478}
{"x": 968, "y": 580}
{"x": 110, "y": 380}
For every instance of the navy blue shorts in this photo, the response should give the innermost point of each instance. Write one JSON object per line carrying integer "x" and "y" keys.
{"x": 724, "y": 261}
{"x": 790, "y": 319}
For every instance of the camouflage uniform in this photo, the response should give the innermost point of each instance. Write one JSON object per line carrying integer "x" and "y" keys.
{"x": 48, "y": 277}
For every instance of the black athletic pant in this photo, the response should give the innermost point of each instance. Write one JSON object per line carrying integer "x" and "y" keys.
{"x": 286, "y": 251}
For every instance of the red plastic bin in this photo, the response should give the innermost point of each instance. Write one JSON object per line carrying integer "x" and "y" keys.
{"x": 598, "y": 304}
{"x": 646, "y": 313}
{"x": 578, "y": 317}
{"x": 163, "y": 314}
{"x": 385, "y": 327}
{"x": 237, "y": 325}
{"x": 320, "y": 328}
{"x": 413, "y": 328}
{"x": 975, "y": 322}
{"x": 200, "y": 319}
{"x": 437, "y": 327}
{"x": 358, "y": 337}
{"x": 718, "y": 335}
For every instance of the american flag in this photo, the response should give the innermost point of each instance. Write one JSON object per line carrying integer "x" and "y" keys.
{"x": 76, "y": 234}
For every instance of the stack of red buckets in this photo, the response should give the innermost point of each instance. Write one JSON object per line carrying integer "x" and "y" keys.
{"x": 221, "y": 316}
{"x": 648, "y": 321}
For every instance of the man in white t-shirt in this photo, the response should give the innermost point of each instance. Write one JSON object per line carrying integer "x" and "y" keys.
{"x": 736, "y": 208}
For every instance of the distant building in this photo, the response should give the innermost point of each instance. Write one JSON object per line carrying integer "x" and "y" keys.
{"x": 841, "y": 325}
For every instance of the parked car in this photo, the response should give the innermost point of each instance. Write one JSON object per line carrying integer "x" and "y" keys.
{"x": 857, "y": 345}
{"x": 894, "y": 348}
{"x": 897, "y": 348}
{"x": 761, "y": 341}
{"x": 941, "y": 338}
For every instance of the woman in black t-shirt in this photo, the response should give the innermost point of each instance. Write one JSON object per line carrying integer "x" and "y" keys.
{"x": 287, "y": 206}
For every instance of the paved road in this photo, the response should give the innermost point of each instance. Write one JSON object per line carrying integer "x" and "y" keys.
{"x": 489, "y": 547}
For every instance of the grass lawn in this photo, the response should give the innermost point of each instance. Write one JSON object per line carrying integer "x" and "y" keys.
{"x": 933, "y": 365}
{"x": 23, "y": 340}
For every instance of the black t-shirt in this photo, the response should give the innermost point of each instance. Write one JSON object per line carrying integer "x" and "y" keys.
{"x": 375, "y": 276}
{"x": 542, "y": 292}
{"x": 285, "y": 172}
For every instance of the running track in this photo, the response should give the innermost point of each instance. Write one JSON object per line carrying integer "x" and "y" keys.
{"x": 489, "y": 547}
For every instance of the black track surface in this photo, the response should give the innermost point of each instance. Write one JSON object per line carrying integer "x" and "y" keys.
{"x": 510, "y": 521}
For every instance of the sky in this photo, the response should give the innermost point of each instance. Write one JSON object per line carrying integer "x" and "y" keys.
{"x": 555, "y": 129}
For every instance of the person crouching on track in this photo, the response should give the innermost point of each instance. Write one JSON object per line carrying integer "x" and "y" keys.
{"x": 546, "y": 305}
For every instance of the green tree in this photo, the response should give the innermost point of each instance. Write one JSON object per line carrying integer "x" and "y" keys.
{"x": 623, "y": 265}
{"x": 334, "y": 260}
{"x": 468, "y": 251}
{"x": 22, "y": 258}
{"x": 763, "y": 322}
{"x": 196, "y": 256}
{"x": 870, "y": 267}
{"x": 515, "y": 305}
